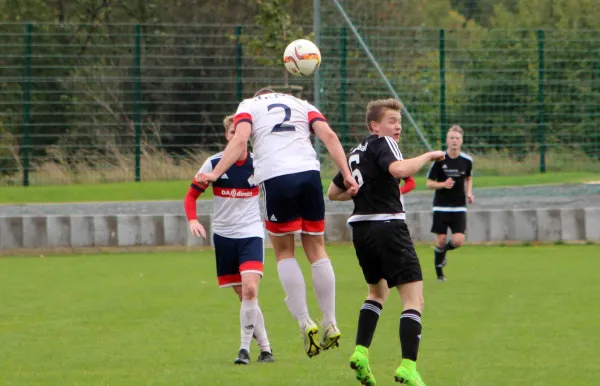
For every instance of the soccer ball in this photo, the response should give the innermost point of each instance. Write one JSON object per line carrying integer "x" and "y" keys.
{"x": 302, "y": 57}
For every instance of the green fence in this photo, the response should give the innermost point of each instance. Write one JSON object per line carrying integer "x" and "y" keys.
{"x": 138, "y": 102}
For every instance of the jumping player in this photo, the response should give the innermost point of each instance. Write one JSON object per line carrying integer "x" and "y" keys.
{"x": 381, "y": 238}
{"x": 287, "y": 167}
{"x": 238, "y": 235}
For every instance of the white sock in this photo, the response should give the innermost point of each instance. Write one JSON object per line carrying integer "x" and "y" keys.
{"x": 260, "y": 332}
{"x": 248, "y": 313}
{"x": 324, "y": 285}
{"x": 294, "y": 286}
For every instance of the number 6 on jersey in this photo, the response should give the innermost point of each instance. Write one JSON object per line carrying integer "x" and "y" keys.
{"x": 355, "y": 159}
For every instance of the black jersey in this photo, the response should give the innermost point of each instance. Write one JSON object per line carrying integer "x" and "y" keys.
{"x": 378, "y": 198}
{"x": 459, "y": 168}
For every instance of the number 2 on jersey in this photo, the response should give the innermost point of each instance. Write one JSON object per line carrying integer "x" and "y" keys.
{"x": 283, "y": 126}
{"x": 355, "y": 159}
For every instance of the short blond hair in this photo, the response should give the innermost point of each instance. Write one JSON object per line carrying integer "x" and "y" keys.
{"x": 456, "y": 129}
{"x": 376, "y": 109}
{"x": 227, "y": 122}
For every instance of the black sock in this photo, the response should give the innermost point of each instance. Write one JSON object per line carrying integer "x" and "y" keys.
{"x": 410, "y": 333}
{"x": 440, "y": 255}
{"x": 367, "y": 322}
{"x": 450, "y": 246}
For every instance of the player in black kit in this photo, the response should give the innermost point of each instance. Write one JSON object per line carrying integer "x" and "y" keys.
{"x": 453, "y": 184}
{"x": 381, "y": 238}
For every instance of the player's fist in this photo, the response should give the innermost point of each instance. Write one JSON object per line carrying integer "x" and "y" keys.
{"x": 436, "y": 155}
{"x": 470, "y": 198}
{"x": 449, "y": 183}
{"x": 197, "y": 229}
{"x": 205, "y": 178}
{"x": 351, "y": 185}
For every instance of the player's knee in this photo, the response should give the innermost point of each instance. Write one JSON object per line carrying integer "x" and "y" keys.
{"x": 378, "y": 293}
{"x": 415, "y": 303}
{"x": 458, "y": 240}
{"x": 283, "y": 246}
{"x": 440, "y": 241}
{"x": 314, "y": 247}
{"x": 249, "y": 291}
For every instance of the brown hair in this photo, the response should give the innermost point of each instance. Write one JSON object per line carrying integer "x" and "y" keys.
{"x": 376, "y": 109}
{"x": 227, "y": 122}
{"x": 456, "y": 129}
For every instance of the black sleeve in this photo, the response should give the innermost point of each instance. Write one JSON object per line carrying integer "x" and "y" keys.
{"x": 434, "y": 171}
{"x": 469, "y": 168}
{"x": 386, "y": 152}
{"x": 338, "y": 181}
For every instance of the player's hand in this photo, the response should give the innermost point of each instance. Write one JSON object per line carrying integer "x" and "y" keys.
{"x": 449, "y": 183}
{"x": 205, "y": 178}
{"x": 436, "y": 155}
{"x": 351, "y": 185}
{"x": 470, "y": 198}
{"x": 197, "y": 229}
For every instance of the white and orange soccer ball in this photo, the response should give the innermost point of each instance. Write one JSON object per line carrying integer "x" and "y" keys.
{"x": 302, "y": 57}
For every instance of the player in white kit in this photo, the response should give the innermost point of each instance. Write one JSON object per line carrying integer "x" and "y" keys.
{"x": 288, "y": 170}
{"x": 238, "y": 235}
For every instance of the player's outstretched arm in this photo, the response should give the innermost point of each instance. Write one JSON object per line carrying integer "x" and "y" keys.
{"x": 234, "y": 150}
{"x": 335, "y": 149}
{"x": 408, "y": 167}
{"x": 334, "y": 193}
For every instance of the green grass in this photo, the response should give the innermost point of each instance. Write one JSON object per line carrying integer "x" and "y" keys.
{"x": 176, "y": 190}
{"x": 507, "y": 315}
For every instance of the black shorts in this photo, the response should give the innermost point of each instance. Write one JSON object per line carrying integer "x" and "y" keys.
{"x": 385, "y": 251}
{"x": 456, "y": 221}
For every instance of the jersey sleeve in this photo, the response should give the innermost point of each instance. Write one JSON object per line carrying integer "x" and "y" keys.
{"x": 314, "y": 114}
{"x": 386, "y": 152}
{"x": 205, "y": 168}
{"x": 469, "y": 169}
{"x": 434, "y": 171}
{"x": 243, "y": 113}
{"x": 338, "y": 181}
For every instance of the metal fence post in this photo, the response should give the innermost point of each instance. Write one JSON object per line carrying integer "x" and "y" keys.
{"x": 26, "y": 104}
{"x": 137, "y": 113}
{"x": 443, "y": 123}
{"x": 343, "y": 85}
{"x": 238, "y": 63}
{"x": 541, "y": 107}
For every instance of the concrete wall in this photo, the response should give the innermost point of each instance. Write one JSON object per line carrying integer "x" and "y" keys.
{"x": 76, "y": 231}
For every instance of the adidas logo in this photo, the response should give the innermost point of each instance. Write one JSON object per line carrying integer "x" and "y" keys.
{"x": 444, "y": 166}
{"x": 224, "y": 176}
{"x": 273, "y": 218}
{"x": 249, "y": 327}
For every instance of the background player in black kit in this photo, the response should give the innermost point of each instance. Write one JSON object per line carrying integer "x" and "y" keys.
{"x": 453, "y": 184}
{"x": 381, "y": 238}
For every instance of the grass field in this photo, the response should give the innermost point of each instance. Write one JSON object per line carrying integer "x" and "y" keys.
{"x": 176, "y": 190}
{"x": 506, "y": 316}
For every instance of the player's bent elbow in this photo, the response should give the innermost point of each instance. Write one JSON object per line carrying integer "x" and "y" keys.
{"x": 333, "y": 193}
{"x": 397, "y": 170}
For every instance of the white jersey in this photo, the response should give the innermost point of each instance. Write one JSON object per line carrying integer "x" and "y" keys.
{"x": 236, "y": 210}
{"x": 281, "y": 128}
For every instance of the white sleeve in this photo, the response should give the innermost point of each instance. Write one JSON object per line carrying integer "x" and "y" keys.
{"x": 243, "y": 113}
{"x": 206, "y": 167}
{"x": 313, "y": 113}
